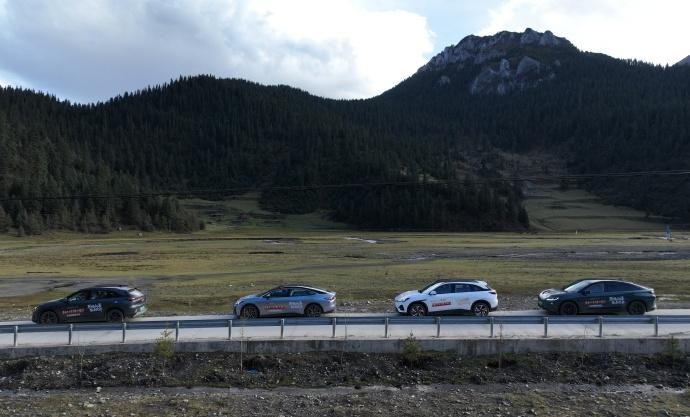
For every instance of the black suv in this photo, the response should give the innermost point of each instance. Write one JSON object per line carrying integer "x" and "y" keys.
{"x": 598, "y": 296}
{"x": 108, "y": 302}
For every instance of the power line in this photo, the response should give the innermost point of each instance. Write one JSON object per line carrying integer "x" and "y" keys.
{"x": 243, "y": 190}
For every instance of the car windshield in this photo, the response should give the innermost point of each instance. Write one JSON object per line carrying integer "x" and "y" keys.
{"x": 577, "y": 286}
{"x": 428, "y": 286}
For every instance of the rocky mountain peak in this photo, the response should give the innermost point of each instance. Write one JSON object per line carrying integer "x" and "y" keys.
{"x": 506, "y": 60}
{"x": 684, "y": 61}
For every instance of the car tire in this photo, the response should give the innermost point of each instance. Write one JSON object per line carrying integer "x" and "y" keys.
{"x": 249, "y": 312}
{"x": 115, "y": 316}
{"x": 313, "y": 310}
{"x": 417, "y": 310}
{"x": 48, "y": 317}
{"x": 481, "y": 309}
{"x": 636, "y": 308}
{"x": 568, "y": 308}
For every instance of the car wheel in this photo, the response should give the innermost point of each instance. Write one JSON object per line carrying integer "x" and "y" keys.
{"x": 115, "y": 316}
{"x": 481, "y": 308}
{"x": 313, "y": 310}
{"x": 568, "y": 309}
{"x": 417, "y": 310}
{"x": 48, "y": 317}
{"x": 637, "y": 308}
{"x": 249, "y": 312}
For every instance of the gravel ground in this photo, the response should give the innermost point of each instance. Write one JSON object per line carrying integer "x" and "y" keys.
{"x": 436, "y": 400}
{"x": 341, "y": 384}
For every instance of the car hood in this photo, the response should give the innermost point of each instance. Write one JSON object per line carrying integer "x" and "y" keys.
{"x": 551, "y": 292}
{"x": 406, "y": 294}
{"x": 246, "y": 297}
{"x": 52, "y": 303}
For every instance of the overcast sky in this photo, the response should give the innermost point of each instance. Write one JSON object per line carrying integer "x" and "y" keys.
{"x": 90, "y": 50}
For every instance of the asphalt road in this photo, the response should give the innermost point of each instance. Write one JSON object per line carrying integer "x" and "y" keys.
{"x": 345, "y": 329}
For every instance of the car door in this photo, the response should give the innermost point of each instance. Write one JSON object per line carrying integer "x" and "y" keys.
{"x": 463, "y": 297}
{"x": 441, "y": 298}
{"x": 299, "y": 298}
{"x": 592, "y": 298}
{"x": 99, "y": 303}
{"x": 277, "y": 302}
{"x": 74, "y": 309}
{"x": 617, "y": 295}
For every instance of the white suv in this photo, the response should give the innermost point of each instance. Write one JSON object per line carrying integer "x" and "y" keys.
{"x": 449, "y": 296}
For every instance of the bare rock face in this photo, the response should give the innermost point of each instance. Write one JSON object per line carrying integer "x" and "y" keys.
{"x": 684, "y": 61}
{"x": 502, "y": 68}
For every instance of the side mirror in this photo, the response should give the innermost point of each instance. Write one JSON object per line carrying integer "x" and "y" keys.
{"x": 432, "y": 292}
{"x": 267, "y": 296}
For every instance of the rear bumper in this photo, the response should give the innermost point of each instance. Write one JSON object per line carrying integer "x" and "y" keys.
{"x": 136, "y": 311}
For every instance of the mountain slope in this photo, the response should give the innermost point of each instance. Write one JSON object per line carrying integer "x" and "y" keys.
{"x": 598, "y": 113}
{"x": 423, "y": 155}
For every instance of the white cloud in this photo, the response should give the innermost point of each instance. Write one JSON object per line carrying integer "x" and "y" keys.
{"x": 653, "y": 31}
{"x": 94, "y": 49}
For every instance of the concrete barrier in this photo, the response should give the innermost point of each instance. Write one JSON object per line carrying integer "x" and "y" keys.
{"x": 463, "y": 347}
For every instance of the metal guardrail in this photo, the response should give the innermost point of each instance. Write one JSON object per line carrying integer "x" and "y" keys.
{"x": 492, "y": 321}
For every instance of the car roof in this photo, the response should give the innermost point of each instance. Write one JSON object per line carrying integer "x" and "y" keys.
{"x": 463, "y": 280}
{"x": 109, "y": 287}
{"x": 311, "y": 287}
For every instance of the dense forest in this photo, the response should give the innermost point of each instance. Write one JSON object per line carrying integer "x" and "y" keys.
{"x": 420, "y": 156}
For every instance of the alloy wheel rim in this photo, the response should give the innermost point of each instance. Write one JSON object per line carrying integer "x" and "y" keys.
{"x": 417, "y": 310}
{"x": 481, "y": 310}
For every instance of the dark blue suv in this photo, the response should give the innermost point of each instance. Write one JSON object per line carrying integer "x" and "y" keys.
{"x": 112, "y": 303}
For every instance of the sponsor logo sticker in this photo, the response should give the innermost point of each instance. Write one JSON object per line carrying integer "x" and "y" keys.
{"x": 617, "y": 300}
{"x": 94, "y": 308}
{"x": 441, "y": 304}
{"x": 73, "y": 312}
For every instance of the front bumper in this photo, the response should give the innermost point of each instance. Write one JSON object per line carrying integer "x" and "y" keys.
{"x": 550, "y": 306}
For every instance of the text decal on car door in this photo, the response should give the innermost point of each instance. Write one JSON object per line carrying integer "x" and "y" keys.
{"x": 93, "y": 308}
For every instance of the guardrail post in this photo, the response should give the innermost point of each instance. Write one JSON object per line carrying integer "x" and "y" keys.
{"x": 438, "y": 327}
{"x": 385, "y": 334}
{"x": 656, "y": 326}
{"x": 16, "y": 335}
{"x": 282, "y": 328}
{"x": 124, "y": 331}
{"x": 491, "y": 327}
{"x": 177, "y": 331}
{"x": 601, "y": 326}
{"x": 229, "y": 329}
{"x": 335, "y": 321}
{"x": 546, "y": 327}
{"x": 69, "y": 338}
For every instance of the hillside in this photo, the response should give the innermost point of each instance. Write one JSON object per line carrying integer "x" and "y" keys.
{"x": 425, "y": 155}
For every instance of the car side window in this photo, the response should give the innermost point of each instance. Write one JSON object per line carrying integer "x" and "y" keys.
{"x": 279, "y": 293}
{"x": 104, "y": 294}
{"x": 79, "y": 296}
{"x": 618, "y": 286}
{"x": 301, "y": 292}
{"x": 444, "y": 289}
{"x": 475, "y": 287}
{"x": 462, "y": 288}
{"x": 597, "y": 288}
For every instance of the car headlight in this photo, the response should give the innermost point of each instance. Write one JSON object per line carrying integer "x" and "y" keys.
{"x": 552, "y": 299}
{"x": 404, "y": 299}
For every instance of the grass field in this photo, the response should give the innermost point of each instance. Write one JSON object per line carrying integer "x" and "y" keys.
{"x": 245, "y": 249}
